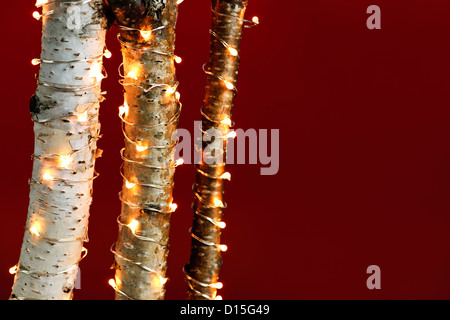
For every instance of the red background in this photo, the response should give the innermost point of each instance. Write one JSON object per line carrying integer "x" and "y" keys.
{"x": 364, "y": 153}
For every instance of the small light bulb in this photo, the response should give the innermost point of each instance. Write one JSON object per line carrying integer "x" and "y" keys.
{"x": 163, "y": 280}
{"x": 141, "y": 148}
{"x": 40, "y": 3}
{"x": 133, "y": 225}
{"x": 13, "y": 270}
{"x": 221, "y": 225}
{"x": 223, "y": 247}
{"x": 34, "y": 231}
{"x": 132, "y": 75}
{"x": 217, "y": 285}
{"x": 226, "y": 121}
{"x": 35, "y": 62}
{"x": 146, "y": 34}
{"x": 107, "y": 54}
{"x": 47, "y": 176}
{"x": 123, "y": 109}
{"x": 171, "y": 90}
{"x": 83, "y": 116}
{"x": 255, "y": 20}
{"x": 98, "y": 75}
{"x": 218, "y": 203}
{"x": 65, "y": 161}
{"x": 226, "y": 176}
{"x": 179, "y": 1}
{"x": 231, "y": 135}
{"x": 178, "y": 59}
{"x": 36, "y": 15}
{"x": 112, "y": 283}
{"x": 177, "y": 95}
{"x": 232, "y": 51}
{"x": 173, "y": 207}
{"x": 218, "y": 298}
{"x": 229, "y": 85}
{"x": 129, "y": 185}
{"x": 179, "y": 162}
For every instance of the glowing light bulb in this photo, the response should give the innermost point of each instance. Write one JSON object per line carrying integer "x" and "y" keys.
{"x": 13, "y": 269}
{"x": 34, "y": 231}
{"x": 35, "y": 62}
{"x": 47, "y": 176}
{"x": 178, "y": 59}
{"x": 218, "y": 298}
{"x": 83, "y": 116}
{"x": 228, "y": 84}
{"x": 123, "y": 109}
{"x": 107, "y": 54}
{"x": 232, "y": 51}
{"x": 129, "y": 185}
{"x": 40, "y": 3}
{"x": 132, "y": 75}
{"x": 218, "y": 203}
{"x": 65, "y": 161}
{"x": 223, "y": 247}
{"x": 217, "y": 285}
{"x": 179, "y": 162}
{"x": 141, "y": 148}
{"x": 163, "y": 280}
{"x": 171, "y": 90}
{"x": 177, "y": 95}
{"x": 112, "y": 283}
{"x": 146, "y": 34}
{"x": 36, "y": 15}
{"x": 173, "y": 207}
{"x": 231, "y": 135}
{"x": 133, "y": 225}
{"x": 179, "y": 1}
{"x": 221, "y": 225}
{"x": 226, "y": 176}
{"x": 255, "y": 20}
{"x": 226, "y": 121}
{"x": 98, "y": 75}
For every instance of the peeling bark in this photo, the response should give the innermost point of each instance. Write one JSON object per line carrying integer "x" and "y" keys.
{"x": 205, "y": 260}
{"x": 65, "y": 114}
{"x": 149, "y": 122}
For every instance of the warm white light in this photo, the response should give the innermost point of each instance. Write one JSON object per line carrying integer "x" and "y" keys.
{"x": 255, "y": 20}
{"x": 83, "y": 116}
{"x": 133, "y": 225}
{"x": 141, "y": 148}
{"x": 171, "y": 90}
{"x": 221, "y": 225}
{"x": 40, "y": 3}
{"x": 218, "y": 298}
{"x": 226, "y": 176}
{"x": 47, "y": 176}
{"x": 179, "y": 162}
{"x": 226, "y": 121}
{"x": 177, "y": 95}
{"x": 217, "y": 285}
{"x": 65, "y": 161}
{"x": 123, "y": 109}
{"x": 34, "y": 231}
{"x": 132, "y": 75}
{"x": 129, "y": 185}
{"x": 232, "y": 135}
{"x": 228, "y": 84}
{"x": 13, "y": 270}
{"x": 35, "y": 62}
{"x": 178, "y": 59}
{"x": 173, "y": 207}
{"x": 36, "y": 15}
{"x": 179, "y": 1}
{"x": 223, "y": 247}
{"x": 232, "y": 51}
{"x": 98, "y": 75}
{"x": 218, "y": 203}
{"x": 107, "y": 54}
{"x": 146, "y": 34}
{"x": 163, "y": 280}
{"x": 112, "y": 283}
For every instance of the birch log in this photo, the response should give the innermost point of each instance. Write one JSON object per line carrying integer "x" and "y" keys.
{"x": 222, "y": 69}
{"x": 65, "y": 114}
{"x": 150, "y": 117}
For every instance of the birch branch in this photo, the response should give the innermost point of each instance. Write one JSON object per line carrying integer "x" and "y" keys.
{"x": 202, "y": 272}
{"x": 149, "y": 117}
{"x": 65, "y": 114}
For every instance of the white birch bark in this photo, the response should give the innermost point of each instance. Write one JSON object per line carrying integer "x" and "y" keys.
{"x": 65, "y": 114}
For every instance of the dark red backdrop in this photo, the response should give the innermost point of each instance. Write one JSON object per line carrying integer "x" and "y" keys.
{"x": 364, "y": 155}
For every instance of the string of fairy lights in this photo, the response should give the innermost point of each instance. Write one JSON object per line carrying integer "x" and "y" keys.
{"x": 216, "y": 203}
{"x": 132, "y": 79}
{"x": 63, "y": 162}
